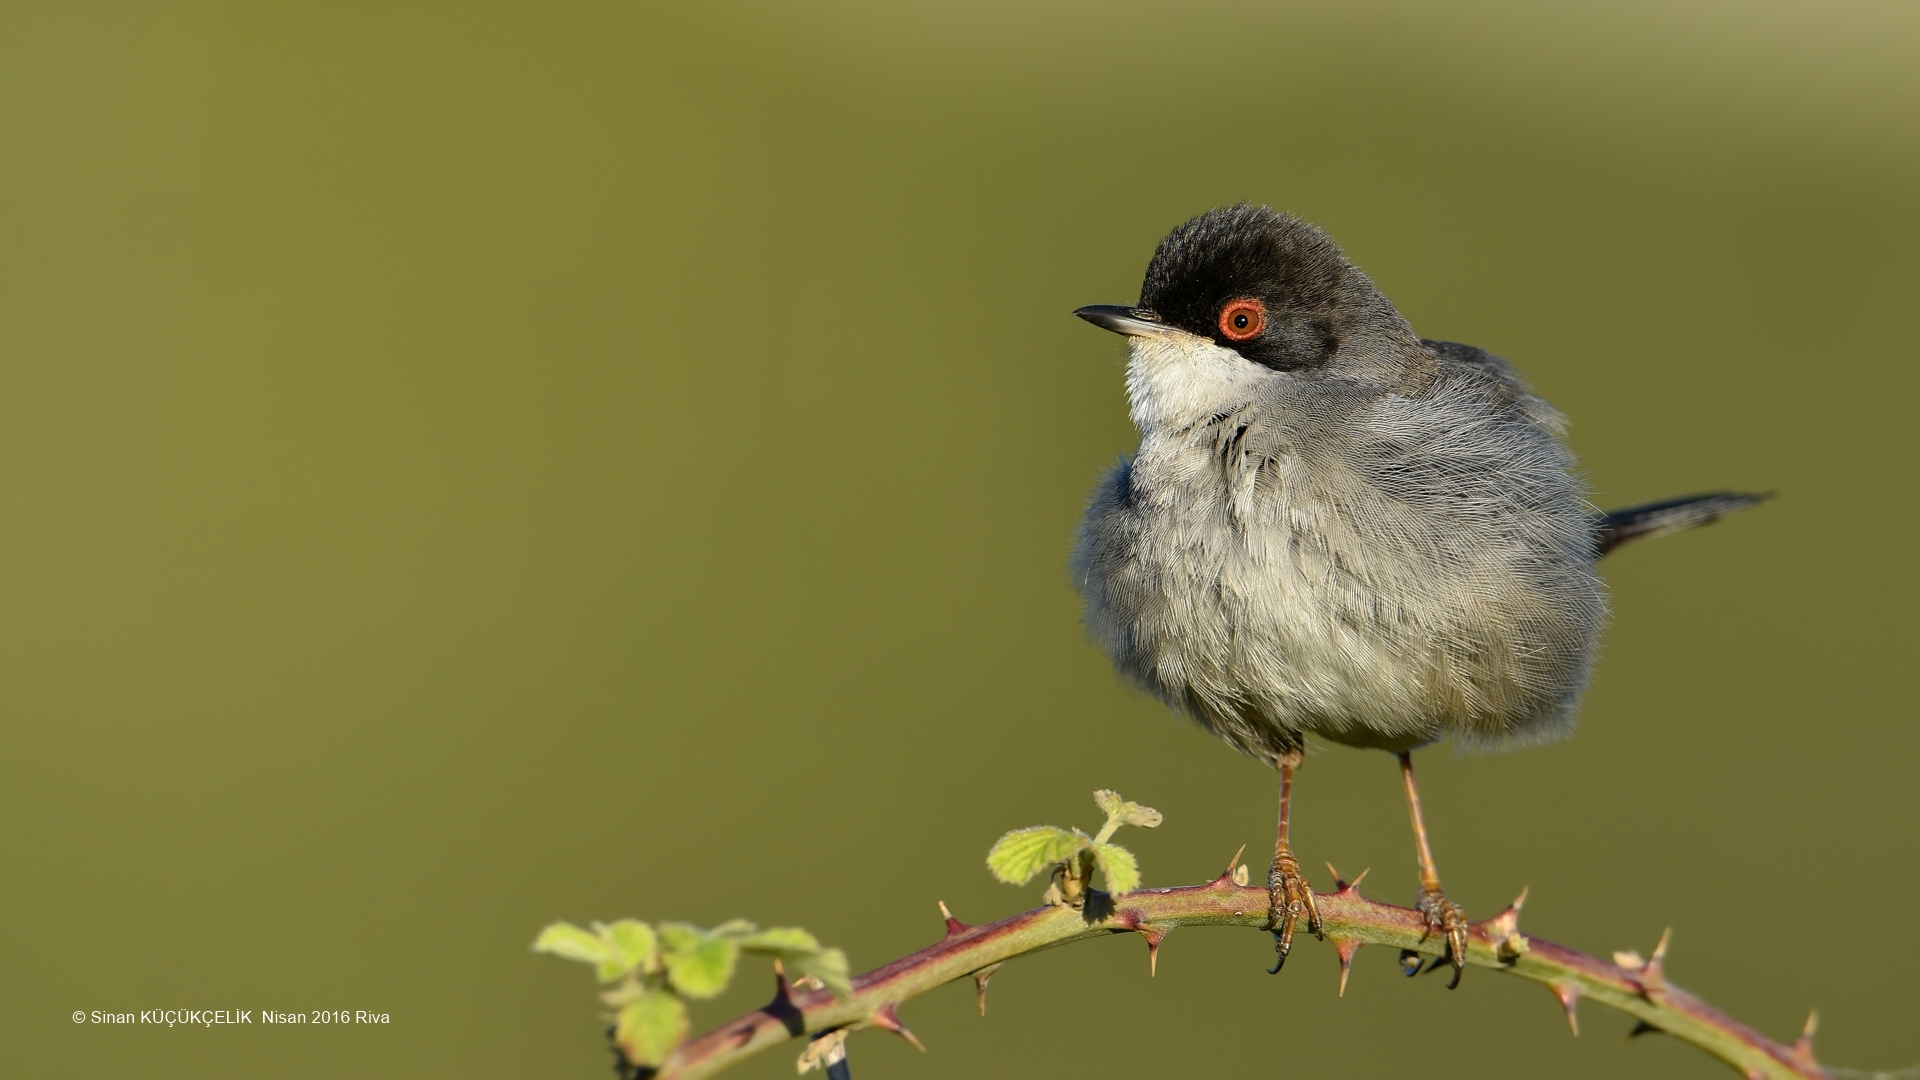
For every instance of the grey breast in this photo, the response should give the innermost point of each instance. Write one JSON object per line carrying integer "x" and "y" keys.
{"x": 1380, "y": 568}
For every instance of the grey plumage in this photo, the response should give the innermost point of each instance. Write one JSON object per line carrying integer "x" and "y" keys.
{"x": 1332, "y": 526}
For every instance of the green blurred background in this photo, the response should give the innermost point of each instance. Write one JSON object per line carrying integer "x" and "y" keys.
{"x": 468, "y": 465}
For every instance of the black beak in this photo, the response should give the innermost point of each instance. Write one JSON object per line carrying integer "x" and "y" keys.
{"x": 1133, "y": 322}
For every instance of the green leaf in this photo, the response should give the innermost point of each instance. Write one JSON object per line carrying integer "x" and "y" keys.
{"x": 733, "y": 928}
{"x": 651, "y": 1026}
{"x": 703, "y": 969}
{"x": 781, "y": 941}
{"x": 827, "y": 965}
{"x": 1110, "y": 802}
{"x": 633, "y": 945}
{"x": 566, "y": 940}
{"x": 802, "y": 954}
{"x": 1022, "y": 853}
{"x": 680, "y": 937}
{"x": 1120, "y": 867}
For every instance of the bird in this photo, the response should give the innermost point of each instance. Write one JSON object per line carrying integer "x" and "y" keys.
{"x": 1333, "y": 527}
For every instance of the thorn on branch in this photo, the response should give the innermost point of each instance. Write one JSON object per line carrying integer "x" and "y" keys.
{"x": 1343, "y": 887}
{"x": 888, "y": 1016}
{"x": 980, "y": 985}
{"x": 1803, "y": 1046}
{"x": 1154, "y": 936}
{"x": 782, "y": 1007}
{"x": 1569, "y": 996}
{"x": 954, "y": 926}
{"x": 1344, "y": 948}
{"x": 1503, "y": 931}
{"x": 1508, "y": 921}
{"x": 1641, "y": 1027}
{"x": 1651, "y": 973}
{"x": 1236, "y": 871}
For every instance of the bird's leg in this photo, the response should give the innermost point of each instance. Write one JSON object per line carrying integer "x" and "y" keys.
{"x": 1289, "y": 896}
{"x": 1443, "y": 915}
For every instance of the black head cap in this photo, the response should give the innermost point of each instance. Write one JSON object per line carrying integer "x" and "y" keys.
{"x": 1272, "y": 288}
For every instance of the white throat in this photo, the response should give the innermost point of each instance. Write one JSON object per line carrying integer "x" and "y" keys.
{"x": 1178, "y": 380}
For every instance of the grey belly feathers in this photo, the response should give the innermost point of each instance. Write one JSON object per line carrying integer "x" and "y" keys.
{"x": 1383, "y": 567}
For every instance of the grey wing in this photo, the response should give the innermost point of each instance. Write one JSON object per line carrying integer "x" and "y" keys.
{"x": 1507, "y": 387}
{"x": 1477, "y": 450}
{"x": 1615, "y": 527}
{"x": 1490, "y": 538}
{"x": 1103, "y": 553}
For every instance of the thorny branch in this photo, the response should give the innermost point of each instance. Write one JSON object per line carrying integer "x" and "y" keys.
{"x": 1633, "y": 985}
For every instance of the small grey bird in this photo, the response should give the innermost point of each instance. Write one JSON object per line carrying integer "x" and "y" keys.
{"x": 1335, "y": 527}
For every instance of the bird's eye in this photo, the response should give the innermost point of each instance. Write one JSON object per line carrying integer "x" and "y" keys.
{"x": 1242, "y": 319}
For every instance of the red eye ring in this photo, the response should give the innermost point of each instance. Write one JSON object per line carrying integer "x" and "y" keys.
{"x": 1243, "y": 319}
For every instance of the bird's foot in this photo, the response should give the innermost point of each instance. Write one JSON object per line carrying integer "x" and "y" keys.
{"x": 1444, "y": 917}
{"x": 1289, "y": 899}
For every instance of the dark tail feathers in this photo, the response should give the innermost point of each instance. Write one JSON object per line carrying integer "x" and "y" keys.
{"x": 1672, "y": 515}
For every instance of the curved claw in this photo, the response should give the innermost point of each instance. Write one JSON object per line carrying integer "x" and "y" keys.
{"x": 1289, "y": 899}
{"x": 1444, "y": 917}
